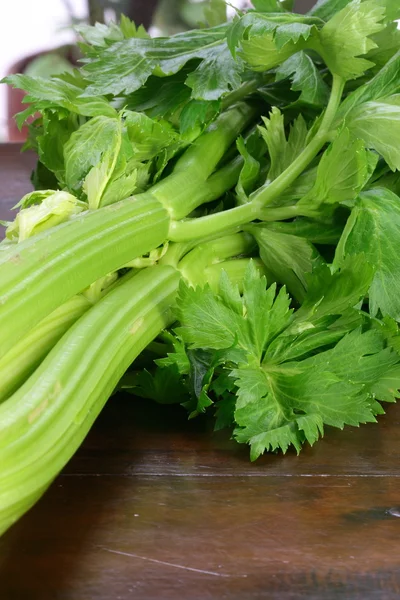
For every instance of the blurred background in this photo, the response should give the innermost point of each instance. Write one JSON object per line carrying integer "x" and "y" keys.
{"x": 38, "y": 36}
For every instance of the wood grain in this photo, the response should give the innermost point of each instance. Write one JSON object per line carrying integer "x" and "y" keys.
{"x": 154, "y": 507}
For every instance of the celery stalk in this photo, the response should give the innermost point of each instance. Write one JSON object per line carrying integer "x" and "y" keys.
{"x": 44, "y": 271}
{"x": 45, "y": 421}
{"x": 26, "y": 355}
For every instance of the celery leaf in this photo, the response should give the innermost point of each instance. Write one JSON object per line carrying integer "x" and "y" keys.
{"x": 305, "y": 78}
{"x": 288, "y": 257}
{"x": 346, "y": 37}
{"x": 372, "y": 229}
{"x": 291, "y": 373}
{"x": 282, "y": 150}
{"x": 343, "y": 171}
{"x": 378, "y": 123}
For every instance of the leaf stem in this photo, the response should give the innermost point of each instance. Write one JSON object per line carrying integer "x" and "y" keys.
{"x": 266, "y": 195}
{"x": 191, "y": 192}
{"x": 247, "y": 88}
{"x": 259, "y": 200}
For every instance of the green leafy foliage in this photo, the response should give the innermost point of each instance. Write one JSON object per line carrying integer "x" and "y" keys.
{"x": 216, "y": 75}
{"x": 161, "y": 96}
{"x": 343, "y": 171}
{"x": 249, "y": 173}
{"x": 148, "y": 137}
{"x": 51, "y": 138}
{"x": 292, "y": 373}
{"x": 392, "y": 9}
{"x": 56, "y": 94}
{"x": 327, "y": 232}
{"x": 86, "y": 147}
{"x": 196, "y": 115}
{"x": 326, "y": 9}
{"x": 178, "y": 357}
{"x": 346, "y": 37}
{"x": 378, "y": 123}
{"x": 165, "y": 385}
{"x": 299, "y": 188}
{"x": 219, "y": 322}
{"x": 332, "y": 387}
{"x": 384, "y": 84}
{"x": 103, "y": 35}
{"x": 372, "y": 229}
{"x": 305, "y": 78}
{"x": 108, "y": 158}
{"x": 389, "y": 181}
{"x": 264, "y": 41}
{"x": 282, "y": 151}
{"x": 332, "y": 293}
{"x": 134, "y": 179}
{"x": 387, "y": 43}
{"x": 288, "y": 257}
{"x": 125, "y": 66}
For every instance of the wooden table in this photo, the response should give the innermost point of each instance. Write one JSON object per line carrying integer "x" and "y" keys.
{"x": 153, "y": 507}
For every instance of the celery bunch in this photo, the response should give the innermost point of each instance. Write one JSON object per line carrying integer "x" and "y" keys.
{"x": 229, "y": 192}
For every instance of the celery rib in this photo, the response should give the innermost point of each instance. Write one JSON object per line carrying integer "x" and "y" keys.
{"x": 45, "y": 421}
{"x": 17, "y": 364}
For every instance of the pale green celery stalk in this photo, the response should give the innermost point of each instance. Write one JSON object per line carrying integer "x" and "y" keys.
{"x": 19, "y": 362}
{"x": 181, "y": 192}
{"x": 193, "y": 265}
{"x": 177, "y": 250}
{"x": 225, "y": 178}
{"x": 45, "y": 421}
{"x": 215, "y": 143}
{"x": 46, "y": 270}
{"x": 181, "y": 231}
{"x": 27, "y": 354}
{"x": 23, "y": 358}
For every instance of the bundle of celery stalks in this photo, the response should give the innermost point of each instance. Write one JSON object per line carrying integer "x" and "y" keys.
{"x": 222, "y": 202}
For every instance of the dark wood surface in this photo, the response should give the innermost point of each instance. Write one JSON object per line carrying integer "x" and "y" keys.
{"x": 15, "y": 172}
{"x": 153, "y": 507}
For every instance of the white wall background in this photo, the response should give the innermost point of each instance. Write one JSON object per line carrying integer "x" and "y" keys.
{"x": 29, "y": 26}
